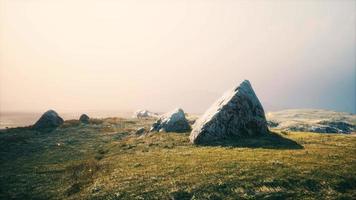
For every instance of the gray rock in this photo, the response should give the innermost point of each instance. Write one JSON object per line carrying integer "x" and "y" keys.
{"x": 272, "y": 124}
{"x": 315, "y": 128}
{"x": 49, "y": 119}
{"x": 237, "y": 113}
{"x": 140, "y": 131}
{"x": 144, "y": 114}
{"x": 84, "y": 119}
{"x": 323, "y": 129}
{"x": 174, "y": 121}
{"x": 297, "y": 128}
{"x": 340, "y": 126}
{"x": 314, "y": 120}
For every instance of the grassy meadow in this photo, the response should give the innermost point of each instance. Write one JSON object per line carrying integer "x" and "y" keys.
{"x": 106, "y": 160}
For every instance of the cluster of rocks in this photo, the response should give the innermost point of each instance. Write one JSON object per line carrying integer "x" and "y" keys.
{"x": 145, "y": 114}
{"x": 338, "y": 126}
{"x": 51, "y": 120}
{"x": 238, "y": 113}
{"x": 272, "y": 124}
{"x": 312, "y": 120}
{"x": 317, "y": 127}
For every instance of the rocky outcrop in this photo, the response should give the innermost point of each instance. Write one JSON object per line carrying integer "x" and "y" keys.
{"x": 272, "y": 124}
{"x": 144, "y": 114}
{"x": 319, "y": 127}
{"x": 313, "y": 120}
{"x": 174, "y": 121}
{"x": 49, "y": 119}
{"x": 238, "y": 113}
{"x": 340, "y": 126}
{"x": 84, "y": 119}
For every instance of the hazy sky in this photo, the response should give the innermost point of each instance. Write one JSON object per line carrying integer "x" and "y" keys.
{"x": 79, "y": 55}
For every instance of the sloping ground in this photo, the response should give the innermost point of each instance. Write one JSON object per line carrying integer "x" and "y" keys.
{"x": 103, "y": 160}
{"x": 313, "y": 120}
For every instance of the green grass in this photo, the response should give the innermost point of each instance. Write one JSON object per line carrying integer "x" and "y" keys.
{"x": 105, "y": 160}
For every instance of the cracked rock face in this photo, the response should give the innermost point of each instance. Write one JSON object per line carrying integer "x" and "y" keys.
{"x": 238, "y": 113}
{"x": 174, "y": 121}
{"x": 49, "y": 119}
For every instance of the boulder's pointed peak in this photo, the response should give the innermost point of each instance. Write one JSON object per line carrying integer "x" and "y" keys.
{"x": 176, "y": 113}
{"x": 177, "y": 110}
{"x": 245, "y": 82}
{"x": 245, "y": 85}
{"x": 50, "y": 112}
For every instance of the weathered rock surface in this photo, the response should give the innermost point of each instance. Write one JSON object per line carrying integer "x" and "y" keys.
{"x": 49, "y": 119}
{"x": 84, "y": 119}
{"x": 174, "y": 121}
{"x": 237, "y": 113}
{"x": 145, "y": 114}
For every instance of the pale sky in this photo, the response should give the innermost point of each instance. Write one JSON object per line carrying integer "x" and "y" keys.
{"x": 78, "y": 55}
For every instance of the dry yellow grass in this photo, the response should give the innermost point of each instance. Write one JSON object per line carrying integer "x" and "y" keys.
{"x": 104, "y": 160}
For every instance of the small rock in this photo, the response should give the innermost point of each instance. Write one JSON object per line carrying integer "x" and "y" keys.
{"x": 84, "y": 119}
{"x": 174, "y": 121}
{"x": 137, "y": 165}
{"x": 95, "y": 189}
{"x": 140, "y": 131}
{"x": 272, "y": 124}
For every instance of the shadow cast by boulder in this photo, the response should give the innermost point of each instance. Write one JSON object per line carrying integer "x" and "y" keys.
{"x": 268, "y": 141}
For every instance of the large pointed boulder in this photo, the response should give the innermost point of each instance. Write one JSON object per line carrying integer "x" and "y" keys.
{"x": 49, "y": 119}
{"x": 174, "y": 121}
{"x": 238, "y": 113}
